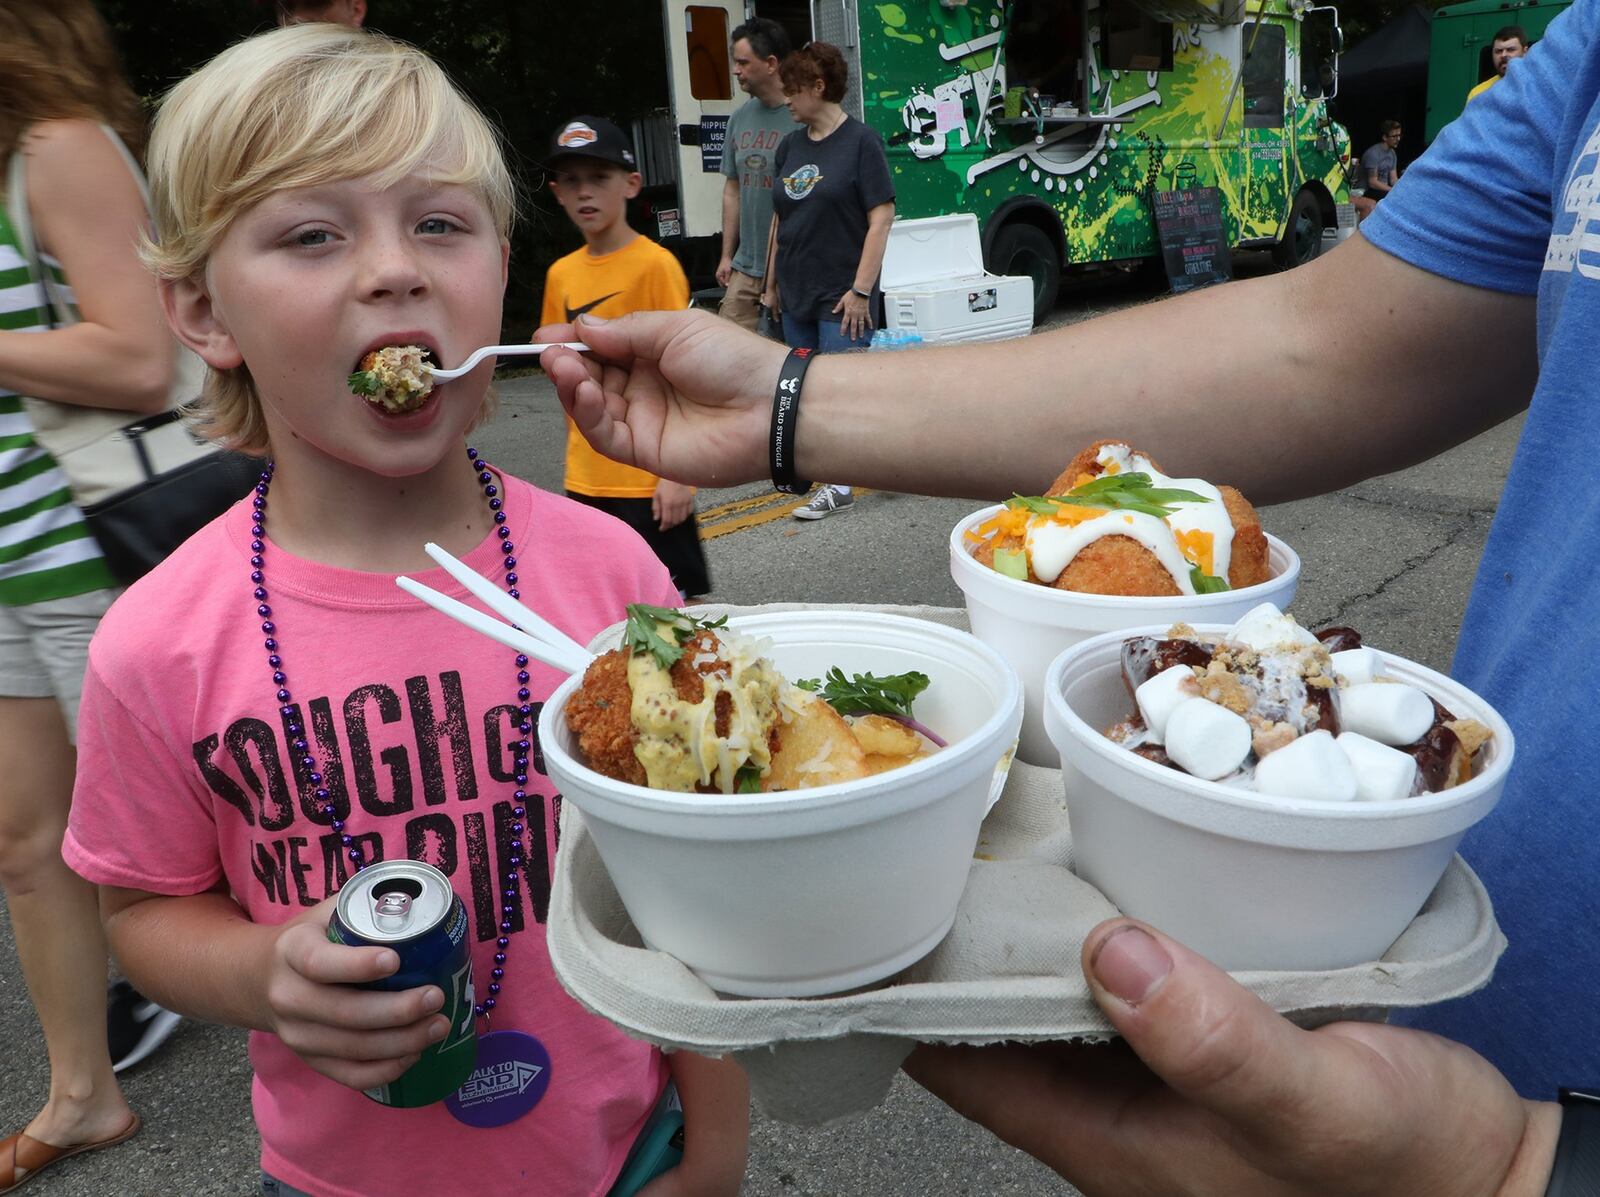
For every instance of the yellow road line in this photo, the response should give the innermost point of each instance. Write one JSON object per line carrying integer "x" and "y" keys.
{"x": 722, "y": 510}
{"x": 744, "y": 514}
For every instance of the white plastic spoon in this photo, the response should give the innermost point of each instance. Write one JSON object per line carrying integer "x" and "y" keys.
{"x": 478, "y": 355}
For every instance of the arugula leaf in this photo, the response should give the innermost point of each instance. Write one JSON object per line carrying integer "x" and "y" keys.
{"x": 1111, "y": 482}
{"x": 747, "y": 780}
{"x": 1116, "y": 492}
{"x": 643, "y": 631}
{"x": 865, "y": 694}
{"x": 1205, "y": 583}
{"x": 365, "y": 382}
{"x": 1038, "y": 504}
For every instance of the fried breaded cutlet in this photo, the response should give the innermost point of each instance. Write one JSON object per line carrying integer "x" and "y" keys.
{"x": 1121, "y": 565}
{"x": 600, "y": 713}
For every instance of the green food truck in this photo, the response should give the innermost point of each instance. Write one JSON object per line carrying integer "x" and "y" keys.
{"x": 1053, "y": 121}
{"x": 1458, "y": 53}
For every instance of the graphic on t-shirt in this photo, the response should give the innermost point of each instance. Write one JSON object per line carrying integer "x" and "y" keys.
{"x": 407, "y": 755}
{"x": 1578, "y": 245}
{"x": 798, "y": 185}
{"x": 574, "y": 313}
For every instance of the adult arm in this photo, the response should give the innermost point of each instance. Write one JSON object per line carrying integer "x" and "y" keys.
{"x": 1247, "y": 382}
{"x": 88, "y": 214}
{"x": 856, "y": 312}
{"x": 769, "y": 287}
{"x": 716, "y": 1128}
{"x": 730, "y": 229}
{"x": 201, "y": 955}
{"x": 1221, "y": 1096}
{"x": 1374, "y": 183}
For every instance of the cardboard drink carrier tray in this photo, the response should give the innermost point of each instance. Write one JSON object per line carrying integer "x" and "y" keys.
{"x": 1008, "y": 971}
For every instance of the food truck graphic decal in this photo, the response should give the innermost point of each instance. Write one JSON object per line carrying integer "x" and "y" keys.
{"x": 1055, "y": 120}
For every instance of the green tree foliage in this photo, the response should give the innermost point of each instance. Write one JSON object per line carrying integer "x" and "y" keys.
{"x": 529, "y": 66}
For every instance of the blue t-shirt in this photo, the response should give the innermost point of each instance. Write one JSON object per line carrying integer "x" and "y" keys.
{"x": 1529, "y": 222}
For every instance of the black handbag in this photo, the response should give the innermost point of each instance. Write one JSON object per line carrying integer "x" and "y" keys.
{"x": 144, "y": 484}
{"x": 139, "y": 526}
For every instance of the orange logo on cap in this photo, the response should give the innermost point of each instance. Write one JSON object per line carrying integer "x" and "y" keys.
{"x": 577, "y": 133}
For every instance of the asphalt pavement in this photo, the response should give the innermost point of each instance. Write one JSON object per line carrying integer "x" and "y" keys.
{"x": 1394, "y": 557}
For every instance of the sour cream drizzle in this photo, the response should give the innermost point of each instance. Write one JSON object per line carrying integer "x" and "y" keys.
{"x": 1052, "y": 545}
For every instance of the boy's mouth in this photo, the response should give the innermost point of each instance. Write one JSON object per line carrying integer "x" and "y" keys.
{"x": 395, "y": 373}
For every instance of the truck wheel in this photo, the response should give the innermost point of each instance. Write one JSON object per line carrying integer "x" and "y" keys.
{"x": 1022, "y": 249}
{"x": 1302, "y": 236}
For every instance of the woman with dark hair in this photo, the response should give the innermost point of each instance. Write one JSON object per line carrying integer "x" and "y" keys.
{"x": 832, "y": 205}
{"x": 69, "y": 125}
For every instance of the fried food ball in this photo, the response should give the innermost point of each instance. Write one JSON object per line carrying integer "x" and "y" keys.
{"x": 1121, "y": 565}
{"x": 600, "y": 713}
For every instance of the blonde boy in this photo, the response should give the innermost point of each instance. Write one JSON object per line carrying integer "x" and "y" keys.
{"x": 266, "y": 709}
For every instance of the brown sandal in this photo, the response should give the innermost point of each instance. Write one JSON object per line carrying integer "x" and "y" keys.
{"x": 22, "y": 1158}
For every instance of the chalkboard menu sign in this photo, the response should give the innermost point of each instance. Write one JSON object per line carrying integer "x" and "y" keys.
{"x": 1194, "y": 245}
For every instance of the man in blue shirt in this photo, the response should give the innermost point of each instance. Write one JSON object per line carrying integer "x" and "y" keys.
{"x": 1489, "y": 268}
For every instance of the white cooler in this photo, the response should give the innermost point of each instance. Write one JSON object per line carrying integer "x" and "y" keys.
{"x": 934, "y": 282}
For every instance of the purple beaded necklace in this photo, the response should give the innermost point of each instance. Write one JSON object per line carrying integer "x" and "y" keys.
{"x": 302, "y": 746}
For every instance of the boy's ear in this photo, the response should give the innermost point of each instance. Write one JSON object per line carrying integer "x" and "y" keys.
{"x": 194, "y": 320}
{"x": 634, "y": 185}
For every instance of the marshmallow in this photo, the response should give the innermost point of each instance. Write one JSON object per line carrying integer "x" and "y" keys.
{"x": 1207, "y": 740}
{"x": 1312, "y": 767}
{"x": 1265, "y": 628}
{"x": 1389, "y": 712}
{"x": 1160, "y": 695}
{"x": 1383, "y": 774}
{"x": 1357, "y": 665}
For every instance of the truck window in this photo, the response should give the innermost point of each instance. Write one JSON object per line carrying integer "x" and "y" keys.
{"x": 1134, "y": 40}
{"x": 710, "y": 73}
{"x": 1263, "y": 76}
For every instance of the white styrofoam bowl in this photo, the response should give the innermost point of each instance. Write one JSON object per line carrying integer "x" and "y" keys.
{"x": 1249, "y": 881}
{"x": 820, "y": 890}
{"x": 1028, "y": 624}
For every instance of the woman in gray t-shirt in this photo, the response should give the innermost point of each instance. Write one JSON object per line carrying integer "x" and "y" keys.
{"x": 832, "y": 205}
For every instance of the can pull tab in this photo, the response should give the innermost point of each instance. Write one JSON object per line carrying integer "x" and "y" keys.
{"x": 392, "y": 911}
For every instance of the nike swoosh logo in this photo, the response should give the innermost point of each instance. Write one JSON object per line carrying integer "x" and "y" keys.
{"x": 574, "y": 313}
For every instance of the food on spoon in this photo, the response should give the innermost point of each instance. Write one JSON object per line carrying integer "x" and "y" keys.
{"x": 1270, "y": 707}
{"x": 692, "y": 705}
{"x": 397, "y": 377}
{"x": 1113, "y": 523}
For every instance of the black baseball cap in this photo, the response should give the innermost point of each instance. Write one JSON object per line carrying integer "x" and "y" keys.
{"x": 592, "y": 137}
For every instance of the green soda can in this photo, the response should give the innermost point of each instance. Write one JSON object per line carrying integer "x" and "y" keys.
{"x": 410, "y": 907}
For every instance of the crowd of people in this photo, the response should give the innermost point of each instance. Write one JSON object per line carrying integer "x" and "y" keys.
{"x": 318, "y": 191}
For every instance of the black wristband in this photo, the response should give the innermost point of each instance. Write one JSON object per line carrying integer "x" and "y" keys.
{"x": 785, "y": 419}
{"x": 1576, "y": 1170}
{"x": 860, "y": 294}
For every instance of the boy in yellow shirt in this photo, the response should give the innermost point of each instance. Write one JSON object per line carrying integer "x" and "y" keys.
{"x": 593, "y": 177}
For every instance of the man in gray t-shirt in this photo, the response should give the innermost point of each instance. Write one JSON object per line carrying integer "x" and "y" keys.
{"x": 1380, "y": 168}
{"x": 754, "y": 132}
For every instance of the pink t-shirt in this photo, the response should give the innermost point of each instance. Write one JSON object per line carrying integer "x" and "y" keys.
{"x": 184, "y": 778}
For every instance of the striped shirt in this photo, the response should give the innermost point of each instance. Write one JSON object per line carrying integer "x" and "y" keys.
{"x": 46, "y": 551}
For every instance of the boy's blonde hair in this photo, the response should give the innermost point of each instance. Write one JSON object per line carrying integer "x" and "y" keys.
{"x": 298, "y": 107}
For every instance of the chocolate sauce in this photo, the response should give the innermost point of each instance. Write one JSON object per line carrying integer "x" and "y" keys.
{"x": 1145, "y": 656}
{"x": 1156, "y": 753}
{"x": 1327, "y": 718}
{"x": 1433, "y": 753}
{"x": 1339, "y": 639}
